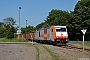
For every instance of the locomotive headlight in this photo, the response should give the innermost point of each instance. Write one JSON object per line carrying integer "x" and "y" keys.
{"x": 66, "y": 36}
{"x": 57, "y": 37}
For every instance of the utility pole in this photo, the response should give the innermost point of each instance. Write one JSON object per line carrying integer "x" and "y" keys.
{"x": 26, "y": 23}
{"x": 19, "y": 16}
{"x": 26, "y": 29}
{"x": 19, "y": 30}
{"x": 26, "y": 26}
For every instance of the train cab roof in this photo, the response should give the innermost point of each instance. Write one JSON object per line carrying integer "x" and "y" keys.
{"x": 49, "y": 27}
{"x": 43, "y": 28}
{"x": 60, "y": 26}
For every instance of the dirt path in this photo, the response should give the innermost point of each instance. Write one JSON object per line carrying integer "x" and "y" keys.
{"x": 69, "y": 54}
{"x": 44, "y": 55}
{"x": 17, "y": 52}
{"x": 28, "y": 51}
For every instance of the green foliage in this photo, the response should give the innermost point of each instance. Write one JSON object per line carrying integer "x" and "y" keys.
{"x": 1, "y": 24}
{"x": 2, "y": 32}
{"x": 42, "y": 24}
{"x": 55, "y": 17}
{"x": 12, "y": 40}
{"x": 82, "y": 14}
{"x": 7, "y": 28}
{"x": 75, "y": 20}
{"x": 9, "y": 21}
{"x": 28, "y": 29}
{"x": 81, "y": 18}
{"x": 58, "y": 17}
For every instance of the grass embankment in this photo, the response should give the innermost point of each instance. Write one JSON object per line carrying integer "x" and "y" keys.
{"x": 87, "y": 44}
{"x": 51, "y": 53}
{"x": 79, "y": 44}
{"x": 12, "y": 40}
{"x": 38, "y": 55}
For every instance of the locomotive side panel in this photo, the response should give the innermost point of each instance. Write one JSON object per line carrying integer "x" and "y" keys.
{"x": 55, "y": 34}
{"x": 48, "y": 34}
{"x": 44, "y": 34}
{"x": 41, "y": 33}
{"x": 52, "y": 33}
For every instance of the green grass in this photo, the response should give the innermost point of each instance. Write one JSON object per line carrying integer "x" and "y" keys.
{"x": 87, "y": 43}
{"x": 38, "y": 55}
{"x": 51, "y": 53}
{"x": 12, "y": 40}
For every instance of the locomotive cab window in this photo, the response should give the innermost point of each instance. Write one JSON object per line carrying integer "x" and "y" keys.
{"x": 61, "y": 30}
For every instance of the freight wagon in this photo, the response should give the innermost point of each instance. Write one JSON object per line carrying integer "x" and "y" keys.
{"x": 52, "y": 34}
{"x": 28, "y": 36}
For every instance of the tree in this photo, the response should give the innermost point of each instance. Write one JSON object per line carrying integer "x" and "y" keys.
{"x": 9, "y": 21}
{"x": 1, "y": 24}
{"x": 23, "y": 30}
{"x": 58, "y": 17}
{"x": 7, "y": 28}
{"x": 2, "y": 32}
{"x": 55, "y": 17}
{"x": 10, "y": 30}
{"x": 81, "y": 18}
{"x": 28, "y": 29}
{"x": 75, "y": 20}
{"x": 42, "y": 24}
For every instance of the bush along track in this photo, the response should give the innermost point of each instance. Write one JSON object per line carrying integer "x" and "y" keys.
{"x": 51, "y": 53}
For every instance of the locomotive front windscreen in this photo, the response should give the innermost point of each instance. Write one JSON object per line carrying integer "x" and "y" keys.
{"x": 60, "y": 29}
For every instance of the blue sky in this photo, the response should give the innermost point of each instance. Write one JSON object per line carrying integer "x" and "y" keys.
{"x": 34, "y": 11}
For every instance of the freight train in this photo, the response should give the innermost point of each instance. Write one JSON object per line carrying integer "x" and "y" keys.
{"x": 52, "y": 34}
{"x": 27, "y": 36}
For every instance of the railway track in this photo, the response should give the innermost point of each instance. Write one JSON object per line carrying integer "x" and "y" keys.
{"x": 75, "y": 46}
{"x": 72, "y": 46}
{"x": 44, "y": 51}
{"x": 69, "y": 52}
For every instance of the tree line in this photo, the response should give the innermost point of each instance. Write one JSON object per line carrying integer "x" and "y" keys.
{"x": 7, "y": 28}
{"x": 74, "y": 20}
